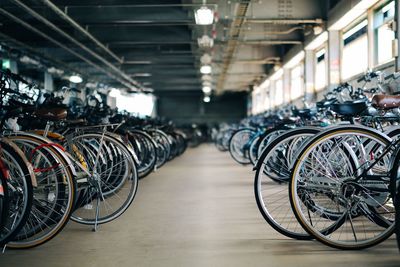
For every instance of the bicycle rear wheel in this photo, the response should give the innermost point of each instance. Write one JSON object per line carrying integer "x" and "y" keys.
{"x": 111, "y": 186}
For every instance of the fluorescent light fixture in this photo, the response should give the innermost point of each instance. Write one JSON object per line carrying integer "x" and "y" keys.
{"x": 204, "y": 16}
{"x": 75, "y": 78}
{"x": 206, "y": 99}
{"x": 278, "y": 74}
{"x": 294, "y": 60}
{"x": 318, "y": 41}
{"x": 53, "y": 70}
{"x": 206, "y": 89}
{"x": 205, "y": 69}
{"x": 142, "y": 75}
{"x": 352, "y": 14}
{"x": 205, "y": 41}
{"x": 29, "y": 60}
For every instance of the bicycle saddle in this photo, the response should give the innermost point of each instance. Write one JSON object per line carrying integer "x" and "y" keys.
{"x": 51, "y": 113}
{"x": 350, "y": 108}
{"x": 386, "y": 101}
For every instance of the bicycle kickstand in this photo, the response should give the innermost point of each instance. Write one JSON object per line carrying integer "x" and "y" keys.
{"x": 95, "y": 227}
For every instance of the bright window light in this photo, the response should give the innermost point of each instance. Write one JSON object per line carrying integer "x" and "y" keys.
{"x": 206, "y": 99}
{"x": 294, "y": 60}
{"x": 355, "y": 51}
{"x": 278, "y": 92}
{"x": 206, "y": 89}
{"x": 278, "y": 74}
{"x": 75, "y": 79}
{"x": 385, "y": 33}
{"x": 320, "y": 69}
{"x": 297, "y": 82}
{"x": 353, "y": 14}
{"x": 204, "y": 16}
{"x": 318, "y": 41}
{"x": 141, "y": 104}
{"x": 205, "y": 69}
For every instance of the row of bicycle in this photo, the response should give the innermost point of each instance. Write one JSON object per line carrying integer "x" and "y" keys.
{"x": 80, "y": 162}
{"x": 330, "y": 172}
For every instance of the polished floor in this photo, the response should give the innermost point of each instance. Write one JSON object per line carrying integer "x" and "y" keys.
{"x": 198, "y": 210}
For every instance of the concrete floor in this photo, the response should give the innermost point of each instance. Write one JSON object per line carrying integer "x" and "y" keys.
{"x": 198, "y": 210}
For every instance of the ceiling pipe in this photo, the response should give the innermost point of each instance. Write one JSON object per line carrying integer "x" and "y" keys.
{"x": 78, "y": 27}
{"x": 285, "y": 21}
{"x": 21, "y": 46}
{"x": 269, "y": 42}
{"x": 268, "y": 60}
{"x": 275, "y": 32}
{"x": 54, "y": 27}
{"x": 29, "y": 27}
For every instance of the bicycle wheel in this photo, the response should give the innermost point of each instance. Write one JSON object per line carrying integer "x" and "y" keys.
{"x": 271, "y": 182}
{"x": 145, "y": 148}
{"x": 334, "y": 184}
{"x": 239, "y": 145}
{"x": 253, "y": 150}
{"x": 111, "y": 186}
{"x": 4, "y": 200}
{"x": 20, "y": 181}
{"x": 54, "y": 194}
{"x": 395, "y": 190}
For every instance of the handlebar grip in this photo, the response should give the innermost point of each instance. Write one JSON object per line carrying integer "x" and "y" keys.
{"x": 361, "y": 79}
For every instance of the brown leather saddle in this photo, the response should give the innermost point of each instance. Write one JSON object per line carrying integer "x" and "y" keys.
{"x": 386, "y": 101}
{"x": 52, "y": 114}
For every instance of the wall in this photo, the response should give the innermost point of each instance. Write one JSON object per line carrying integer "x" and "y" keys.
{"x": 188, "y": 107}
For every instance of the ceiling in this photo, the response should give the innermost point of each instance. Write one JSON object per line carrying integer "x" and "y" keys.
{"x": 153, "y": 43}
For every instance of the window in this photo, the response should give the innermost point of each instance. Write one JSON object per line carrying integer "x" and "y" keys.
{"x": 296, "y": 82}
{"x": 384, "y": 33}
{"x": 320, "y": 69}
{"x": 278, "y": 92}
{"x": 355, "y": 50}
{"x": 141, "y": 104}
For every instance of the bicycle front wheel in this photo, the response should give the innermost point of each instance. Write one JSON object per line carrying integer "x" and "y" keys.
{"x": 340, "y": 182}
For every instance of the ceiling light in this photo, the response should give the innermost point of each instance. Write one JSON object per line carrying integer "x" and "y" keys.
{"x": 206, "y": 89}
{"x": 205, "y": 41}
{"x": 204, "y": 16}
{"x": 53, "y": 70}
{"x": 206, "y": 99}
{"x": 29, "y": 60}
{"x": 205, "y": 69}
{"x": 75, "y": 78}
{"x": 142, "y": 75}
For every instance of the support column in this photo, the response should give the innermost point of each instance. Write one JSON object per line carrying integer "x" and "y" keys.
{"x": 309, "y": 76}
{"x": 287, "y": 96}
{"x": 13, "y": 66}
{"x": 48, "y": 82}
{"x": 334, "y": 45}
